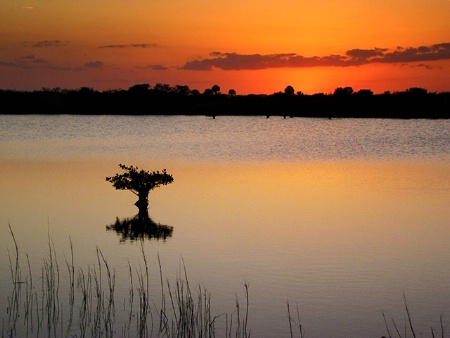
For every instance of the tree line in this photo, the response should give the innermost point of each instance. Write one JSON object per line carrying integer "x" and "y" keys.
{"x": 163, "y": 99}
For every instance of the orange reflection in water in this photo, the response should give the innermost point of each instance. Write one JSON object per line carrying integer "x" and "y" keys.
{"x": 284, "y": 193}
{"x": 332, "y": 236}
{"x": 369, "y": 208}
{"x": 340, "y": 206}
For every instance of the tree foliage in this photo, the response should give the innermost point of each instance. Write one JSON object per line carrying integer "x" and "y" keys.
{"x": 232, "y": 92}
{"x": 343, "y": 91}
{"x": 215, "y": 89}
{"x": 139, "y": 181}
{"x": 289, "y": 90}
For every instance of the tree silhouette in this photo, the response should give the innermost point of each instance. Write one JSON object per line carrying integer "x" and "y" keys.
{"x": 163, "y": 88}
{"x": 417, "y": 91}
{"x": 182, "y": 90}
{"x": 163, "y": 99}
{"x": 140, "y": 183}
{"x": 343, "y": 91}
{"x": 232, "y": 92}
{"x": 215, "y": 89}
{"x": 139, "y": 88}
{"x": 364, "y": 92}
{"x": 289, "y": 90}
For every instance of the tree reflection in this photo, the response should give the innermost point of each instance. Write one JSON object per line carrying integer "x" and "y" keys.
{"x": 140, "y": 228}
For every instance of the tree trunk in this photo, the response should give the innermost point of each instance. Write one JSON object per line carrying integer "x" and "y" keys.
{"x": 142, "y": 205}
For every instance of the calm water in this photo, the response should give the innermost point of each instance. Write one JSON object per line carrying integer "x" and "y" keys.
{"x": 340, "y": 217}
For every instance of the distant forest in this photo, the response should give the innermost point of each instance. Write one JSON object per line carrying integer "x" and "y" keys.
{"x": 163, "y": 99}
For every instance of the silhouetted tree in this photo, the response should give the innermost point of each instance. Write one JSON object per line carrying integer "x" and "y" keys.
{"x": 343, "y": 91}
{"x": 163, "y": 99}
{"x": 139, "y": 88}
{"x": 364, "y": 92}
{"x": 86, "y": 90}
{"x": 140, "y": 183}
{"x": 232, "y": 92}
{"x": 416, "y": 91}
{"x": 182, "y": 90}
{"x": 289, "y": 90}
{"x": 215, "y": 89}
{"x": 163, "y": 88}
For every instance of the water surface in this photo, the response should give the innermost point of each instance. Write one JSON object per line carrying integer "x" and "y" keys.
{"x": 340, "y": 217}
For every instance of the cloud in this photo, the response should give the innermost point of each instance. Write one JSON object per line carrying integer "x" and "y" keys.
{"x": 365, "y": 53}
{"x": 7, "y": 64}
{"x": 93, "y": 64}
{"x": 132, "y": 45}
{"x": 234, "y": 61}
{"x": 50, "y": 43}
{"x": 423, "y": 53}
{"x": 153, "y": 67}
{"x": 424, "y": 65}
{"x": 353, "y": 57}
{"x": 31, "y": 62}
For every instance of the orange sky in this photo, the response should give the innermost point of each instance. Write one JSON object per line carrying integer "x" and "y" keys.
{"x": 250, "y": 46}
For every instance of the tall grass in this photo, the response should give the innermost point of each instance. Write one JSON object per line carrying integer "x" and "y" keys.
{"x": 85, "y": 306}
{"x": 83, "y": 303}
{"x": 408, "y": 328}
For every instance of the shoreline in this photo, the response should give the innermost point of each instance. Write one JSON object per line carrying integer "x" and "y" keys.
{"x": 414, "y": 103}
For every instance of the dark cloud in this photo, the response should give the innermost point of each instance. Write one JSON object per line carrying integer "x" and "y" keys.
{"x": 365, "y": 53}
{"x": 32, "y": 62}
{"x": 424, "y": 66}
{"x": 29, "y": 61}
{"x": 423, "y": 53}
{"x": 7, "y": 64}
{"x": 158, "y": 67}
{"x": 132, "y": 45}
{"x": 93, "y": 64}
{"x": 234, "y": 61}
{"x": 353, "y": 57}
{"x": 153, "y": 67}
{"x": 50, "y": 43}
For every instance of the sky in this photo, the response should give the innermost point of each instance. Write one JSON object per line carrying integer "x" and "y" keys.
{"x": 253, "y": 47}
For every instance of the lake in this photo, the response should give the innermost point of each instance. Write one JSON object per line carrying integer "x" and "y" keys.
{"x": 340, "y": 218}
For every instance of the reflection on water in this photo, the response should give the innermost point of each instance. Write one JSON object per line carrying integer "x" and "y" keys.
{"x": 224, "y": 139}
{"x": 340, "y": 217}
{"x": 341, "y": 240}
{"x": 136, "y": 228}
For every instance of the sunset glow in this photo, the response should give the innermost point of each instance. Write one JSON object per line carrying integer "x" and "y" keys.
{"x": 251, "y": 46}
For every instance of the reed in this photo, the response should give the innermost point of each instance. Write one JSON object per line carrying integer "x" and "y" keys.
{"x": 408, "y": 326}
{"x": 13, "y": 300}
{"x": 296, "y": 321}
{"x": 88, "y": 298}
{"x": 83, "y": 303}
